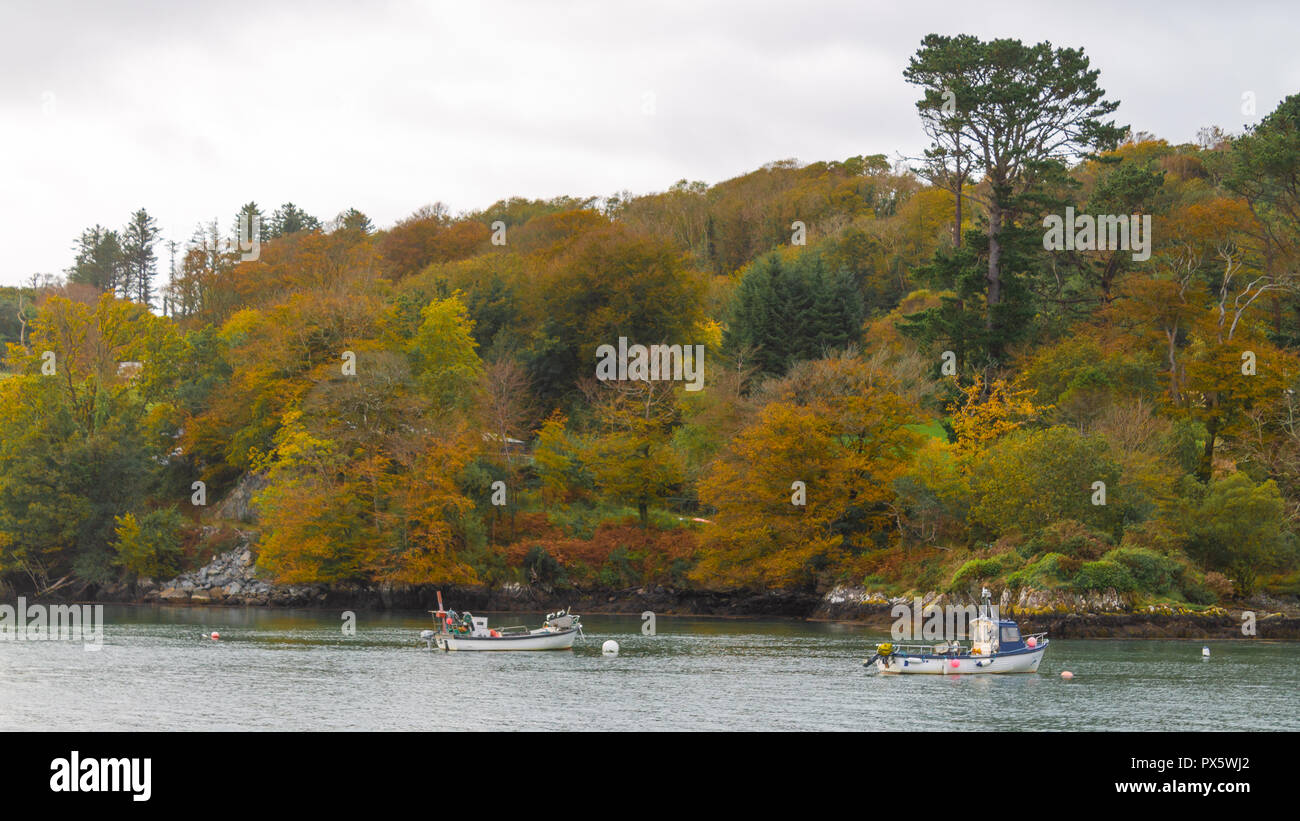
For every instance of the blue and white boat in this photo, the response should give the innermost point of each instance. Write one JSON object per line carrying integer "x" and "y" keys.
{"x": 995, "y": 646}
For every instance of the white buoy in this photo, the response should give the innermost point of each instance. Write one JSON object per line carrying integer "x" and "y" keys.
{"x": 1205, "y": 651}
{"x": 609, "y": 648}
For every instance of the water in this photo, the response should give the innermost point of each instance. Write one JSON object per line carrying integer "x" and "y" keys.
{"x": 295, "y": 670}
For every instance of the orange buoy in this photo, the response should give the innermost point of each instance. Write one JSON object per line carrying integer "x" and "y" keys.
{"x": 494, "y": 634}
{"x": 1066, "y": 674}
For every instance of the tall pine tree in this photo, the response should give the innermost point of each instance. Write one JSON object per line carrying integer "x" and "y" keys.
{"x": 1021, "y": 112}
{"x": 138, "y": 239}
{"x": 99, "y": 262}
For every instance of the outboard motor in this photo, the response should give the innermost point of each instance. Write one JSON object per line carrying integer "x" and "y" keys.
{"x": 882, "y": 654}
{"x": 564, "y": 620}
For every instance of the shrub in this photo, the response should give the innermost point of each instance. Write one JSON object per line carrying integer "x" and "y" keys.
{"x": 151, "y": 545}
{"x": 1070, "y": 538}
{"x": 930, "y": 577}
{"x": 1151, "y": 572}
{"x": 1199, "y": 593}
{"x": 1046, "y": 572}
{"x": 977, "y": 570}
{"x": 1103, "y": 575}
{"x": 1280, "y": 585}
{"x": 540, "y": 566}
{"x": 1236, "y": 526}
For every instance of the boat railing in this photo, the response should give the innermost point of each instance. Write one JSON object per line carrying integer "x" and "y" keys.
{"x": 927, "y": 649}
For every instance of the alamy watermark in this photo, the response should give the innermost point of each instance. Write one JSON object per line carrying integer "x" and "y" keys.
{"x": 651, "y": 363}
{"x": 918, "y": 622}
{"x": 55, "y": 622}
{"x": 126, "y": 775}
{"x": 1104, "y": 232}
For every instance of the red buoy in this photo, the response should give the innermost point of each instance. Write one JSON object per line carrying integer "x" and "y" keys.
{"x": 215, "y": 635}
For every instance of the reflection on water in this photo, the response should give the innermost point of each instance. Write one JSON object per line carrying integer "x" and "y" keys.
{"x": 297, "y": 670}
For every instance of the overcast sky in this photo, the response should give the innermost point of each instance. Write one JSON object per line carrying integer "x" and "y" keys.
{"x": 191, "y": 110}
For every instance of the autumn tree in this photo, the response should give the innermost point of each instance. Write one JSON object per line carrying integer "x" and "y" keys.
{"x": 1032, "y": 478}
{"x": 838, "y": 428}
{"x": 149, "y": 546}
{"x": 1263, "y": 167}
{"x": 443, "y": 353}
{"x": 984, "y": 414}
{"x": 84, "y": 439}
{"x": 633, "y": 460}
{"x": 608, "y": 283}
{"x": 506, "y": 413}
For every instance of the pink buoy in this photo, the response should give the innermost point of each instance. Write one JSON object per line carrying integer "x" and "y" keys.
{"x": 215, "y": 635}
{"x": 953, "y": 663}
{"x": 1066, "y": 674}
{"x": 1031, "y": 642}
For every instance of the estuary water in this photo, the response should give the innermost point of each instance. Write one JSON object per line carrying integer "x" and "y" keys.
{"x": 158, "y": 669}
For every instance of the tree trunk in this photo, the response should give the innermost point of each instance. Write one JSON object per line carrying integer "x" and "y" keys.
{"x": 1206, "y": 469}
{"x": 995, "y": 261}
{"x": 994, "y": 279}
{"x": 956, "y": 227}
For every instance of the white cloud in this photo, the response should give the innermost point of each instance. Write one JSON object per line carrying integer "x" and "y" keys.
{"x": 191, "y": 112}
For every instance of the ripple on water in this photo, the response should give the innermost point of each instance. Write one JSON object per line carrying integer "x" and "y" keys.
{"x": 295, "y": 670}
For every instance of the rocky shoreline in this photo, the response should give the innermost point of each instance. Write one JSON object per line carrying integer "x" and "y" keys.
{"x": 1073, "y": 615}
{"x": 231, "y": 579}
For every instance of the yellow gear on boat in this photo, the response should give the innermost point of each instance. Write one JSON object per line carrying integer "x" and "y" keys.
{"x": 884, "y": 649}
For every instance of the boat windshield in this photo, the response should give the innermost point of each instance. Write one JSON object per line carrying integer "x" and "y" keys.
{"x": 1010, "y": 635}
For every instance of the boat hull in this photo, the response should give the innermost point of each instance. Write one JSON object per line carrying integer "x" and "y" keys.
{"x": 541, "y": 640}
{"x": 1026, "y": 661}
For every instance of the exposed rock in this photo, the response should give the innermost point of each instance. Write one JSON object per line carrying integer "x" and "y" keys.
{"x": 238, "y": 503}
{"x": 231, "y": 578}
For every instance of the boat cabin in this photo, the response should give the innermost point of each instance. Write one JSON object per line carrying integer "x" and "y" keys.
{"x": 1009, "y": 637}
{"x": 991, "y": 635}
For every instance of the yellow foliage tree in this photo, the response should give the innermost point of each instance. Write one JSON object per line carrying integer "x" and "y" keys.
{"x": 980, "y": 417}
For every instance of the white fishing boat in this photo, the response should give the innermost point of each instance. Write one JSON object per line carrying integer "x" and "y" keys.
{"x": 465, "y": 631}
{"x": 995, "y": 646}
